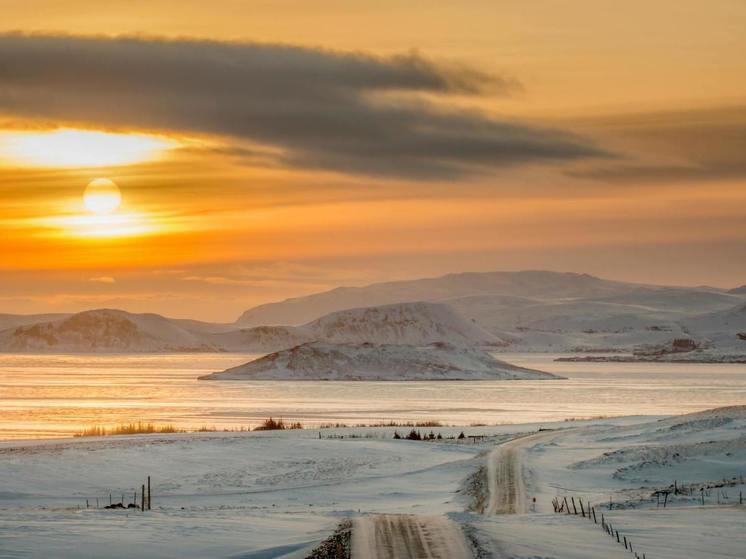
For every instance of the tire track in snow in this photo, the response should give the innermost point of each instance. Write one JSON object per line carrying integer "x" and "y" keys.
{"x": 505, "y": 482}
{"x": 405, "y": 536}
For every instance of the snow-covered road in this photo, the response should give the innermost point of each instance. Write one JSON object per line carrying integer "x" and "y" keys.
{"x": 406, "y": 536}
{"x": 505, "y": 475}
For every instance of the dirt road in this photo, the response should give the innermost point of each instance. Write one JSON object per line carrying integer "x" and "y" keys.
{"x": 505, "y": 476}
{"x": 404, "y": 536}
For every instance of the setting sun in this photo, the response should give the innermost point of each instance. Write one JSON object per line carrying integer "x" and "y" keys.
{"x": 79, "y": 148}
{"x": 102, "y": 196}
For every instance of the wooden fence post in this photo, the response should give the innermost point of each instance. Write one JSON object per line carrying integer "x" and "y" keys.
{"x": 149, "y": 505}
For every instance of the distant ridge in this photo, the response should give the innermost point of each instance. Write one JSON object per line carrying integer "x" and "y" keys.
{"x": 532, "y": 311}
{"x": 536, "y": 284}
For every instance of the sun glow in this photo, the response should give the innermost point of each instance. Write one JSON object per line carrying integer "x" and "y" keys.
{"x": 79, "y": 148}
{"x": 106, "y": 225}
{"x": 102, "y": 196}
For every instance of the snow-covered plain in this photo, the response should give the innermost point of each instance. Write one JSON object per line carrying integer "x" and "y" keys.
{"x": 277, "y": 494}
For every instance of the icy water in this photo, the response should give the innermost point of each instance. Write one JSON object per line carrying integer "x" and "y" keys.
{"x": 48, "y": 396}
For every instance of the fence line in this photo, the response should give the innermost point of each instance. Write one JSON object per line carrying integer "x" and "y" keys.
{"x": 145, "y": 500}
{"x": 589, "y": 511}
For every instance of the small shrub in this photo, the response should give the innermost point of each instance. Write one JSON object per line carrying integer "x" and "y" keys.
{"x": 414, "y": 436}
{"x": 277, "y": 425}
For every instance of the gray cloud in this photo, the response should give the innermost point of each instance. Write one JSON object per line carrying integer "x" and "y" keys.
{"x": 319, "y": 107}
{"x": 686, "y": 145}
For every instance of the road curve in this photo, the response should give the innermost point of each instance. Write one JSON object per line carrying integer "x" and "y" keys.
{"x": 406, "y": 536}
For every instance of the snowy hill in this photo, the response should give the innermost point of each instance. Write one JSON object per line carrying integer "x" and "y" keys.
{"x": 406, "y": 323}
{"x": 103, "y": 330}
{"x": 322, "y": 361}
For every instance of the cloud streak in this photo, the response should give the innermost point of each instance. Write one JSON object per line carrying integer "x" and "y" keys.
{"x": 320, "y": 109}
{"x": 699, "y": 144}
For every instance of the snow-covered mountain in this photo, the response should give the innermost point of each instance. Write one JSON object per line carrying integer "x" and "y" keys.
{"x": 323, "y": 361}
{"x": 542, "y": 311}
{"x": 103, "y": 330}
{"x": 533, "y": 284}
{"x": 109, "y": 330}
{"x": 509, "y": 311}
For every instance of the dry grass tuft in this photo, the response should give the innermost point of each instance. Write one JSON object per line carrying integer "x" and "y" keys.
{"x": 128, "y": 429}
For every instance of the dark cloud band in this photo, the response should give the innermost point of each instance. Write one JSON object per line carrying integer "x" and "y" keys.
{"x": 322, "y": 109}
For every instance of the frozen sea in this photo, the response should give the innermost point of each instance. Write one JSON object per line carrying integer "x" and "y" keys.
{"x": 59, "y": 395}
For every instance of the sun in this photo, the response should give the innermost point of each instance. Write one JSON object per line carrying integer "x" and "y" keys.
{"x": 102, "y": 196}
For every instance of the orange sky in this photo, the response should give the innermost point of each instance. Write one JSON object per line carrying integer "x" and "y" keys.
{"x": 272, "y": 149}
